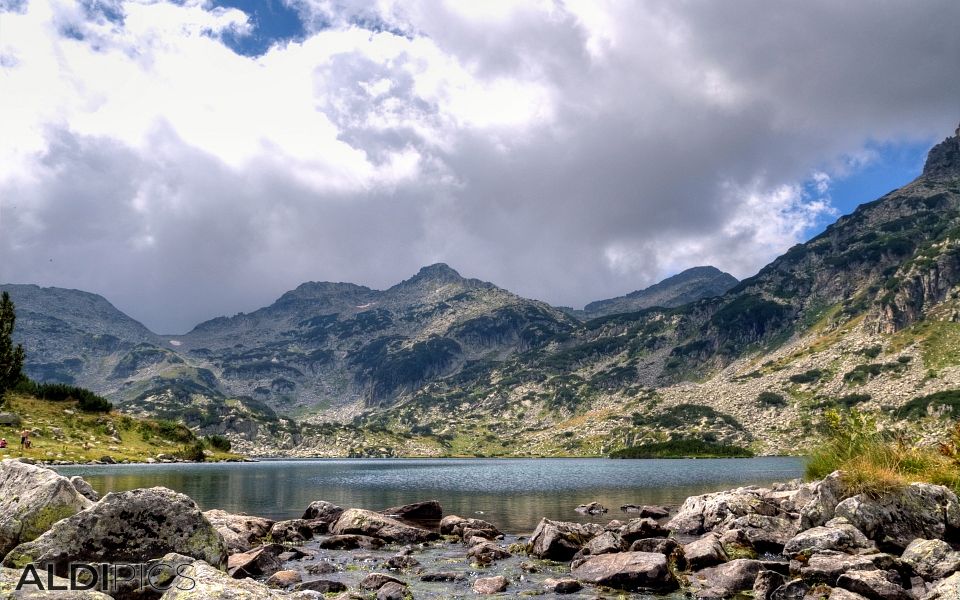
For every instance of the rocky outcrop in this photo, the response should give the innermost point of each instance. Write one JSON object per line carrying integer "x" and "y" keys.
{"x": 921, "y": 510}
{"x": 635, "y": 571}
{"x": 369, "y": 523}
{"x": 239, "y": 532}
{"x": 837, "y": 535}
{"x": 133, "y": 526}
{"x": 32, "y": 499}
{"x": 699, "y": 514}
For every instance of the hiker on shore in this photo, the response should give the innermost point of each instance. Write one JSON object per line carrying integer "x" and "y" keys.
{"x": 25, "y": 439}
{"x": 3, "y": 443}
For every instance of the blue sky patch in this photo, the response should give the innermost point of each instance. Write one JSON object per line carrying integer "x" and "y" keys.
{"x": 272, "y": 22}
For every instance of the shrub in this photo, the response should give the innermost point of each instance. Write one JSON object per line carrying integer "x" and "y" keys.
{"x": 86, "y": 400}
{"x": 771, "y": 399}
{"x": 873, "y": 462}
{"x": 807, "y": 376}
{"x": 218, "y": 442}
{"x": 683, "y": 448}
{"x": 192, "y": 452}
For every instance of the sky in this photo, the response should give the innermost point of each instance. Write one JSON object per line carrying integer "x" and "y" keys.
{"x": 194, "y": 159}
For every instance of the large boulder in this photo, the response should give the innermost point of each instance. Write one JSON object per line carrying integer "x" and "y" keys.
{"x": 765, "y": 533}
{"x": 931, "y": 559}
{"x": 200, "y": 581}
{"x": 920, "y": 510}
{"x": 259, "y": 562}
{"x": 85, "y": 489}
{"x": 705, "y": 552}
{"x": 560, "y": 540}
{"x": 817, "y": 501}
{"x": 726, "y": 580}
{"x": 9, "y": 578}
{"x": 134, "y": 526}
{"x": 947, "y": 589}
{"x": 835, "y": 536}
{"x": 643, "y": 571}
{"x": 700, "y": 514}
{"x": 240, "y": 532}
{"x": 638, "y": 529}
{"x": 32, "y": 499}
{"x": 874, "y": 585}
{"x": 322, "y": 510}
{"x": 366, "y": 522}
{"x": 827, "y": 566}
{"x": 429, "y": 510}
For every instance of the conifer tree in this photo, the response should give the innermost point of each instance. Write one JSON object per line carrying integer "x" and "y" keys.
{"x": 11, "y": 357}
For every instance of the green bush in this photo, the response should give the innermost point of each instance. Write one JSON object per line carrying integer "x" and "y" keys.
{"x": 771, "y": 399}
{"x": 683, "y": 448}
{"x": 807, "y": 376}
{"x": 86, "y": 400}
{"x": 192, "y": 452}
{"x": 218, "y": 442}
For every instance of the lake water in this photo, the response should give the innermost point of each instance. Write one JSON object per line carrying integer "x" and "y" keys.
{"x": 512, "y": 493}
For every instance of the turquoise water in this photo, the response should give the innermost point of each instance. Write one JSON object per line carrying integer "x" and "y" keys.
{"x": 512, "y": 493}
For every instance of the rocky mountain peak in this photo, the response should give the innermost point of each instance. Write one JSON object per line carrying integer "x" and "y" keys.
{"x": 436, "y": 273}
{"x": 944, "y": 158}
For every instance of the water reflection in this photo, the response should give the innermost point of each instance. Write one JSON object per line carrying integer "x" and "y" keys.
{"x": 512, "y": 493}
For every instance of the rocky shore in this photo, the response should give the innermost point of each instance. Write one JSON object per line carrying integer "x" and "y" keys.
{"x": 792, "y": 541}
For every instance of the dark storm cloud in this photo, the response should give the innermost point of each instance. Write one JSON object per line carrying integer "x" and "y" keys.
{"x": 568, "y": 153}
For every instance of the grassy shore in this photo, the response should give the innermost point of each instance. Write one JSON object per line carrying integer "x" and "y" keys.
{"x": 875, "y": 462}
{"x": 61, "y": 431}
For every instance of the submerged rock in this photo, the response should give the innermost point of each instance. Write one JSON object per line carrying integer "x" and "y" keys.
{"x": 652, "y": 512}
{"x": 32, "y": 499}
{"x": 593, "y": 508}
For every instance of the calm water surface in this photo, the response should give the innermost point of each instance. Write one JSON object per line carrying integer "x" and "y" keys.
{"x": 512, "y": 493}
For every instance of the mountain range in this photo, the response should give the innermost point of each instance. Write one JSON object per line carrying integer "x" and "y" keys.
{"x": 865, "y": 314}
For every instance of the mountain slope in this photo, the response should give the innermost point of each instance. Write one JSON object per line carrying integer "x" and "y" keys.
{"x": 687, "y": 286}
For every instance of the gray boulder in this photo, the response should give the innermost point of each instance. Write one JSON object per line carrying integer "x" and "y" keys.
{"x": 948, "y": 589}
{"x": 705, "y": 552}
{"x": 350, "y": 542}
{"x": 375, "y": 581}
{"x": 259, "y": 562}
{"x": 561, "y": 586}
{"x": 86, "y": 490}
{"x": 666, "y": 546}
{"x": 240, "y": 532}
{"x": 636, "y": 529}
{"x": 836, "y": 536}
{"x": 32, "y": 499}
{"x": 766, "y": 583}
{"x": 874, "y": 585}
{"x": 369, "y": 523}
{"x": 593, "y": 508}
{"x": 393, "y": 590}
{"x": 295, "y": 531}
{"x": 931, "y": 559}
{"x": 817, "y": 501}
{"x": 486, "y": 552}
{"x": 200, "y": 581}
{"x": 560, "y": 540}
{"x": 700, "y": 514}
{"x": 827, "y": 566}
{"x": 921, "y": 510}
{"x": 765, "y": 533}
{"x": 726, "y": 580}
{"x": 134, "y": 526}
{"x": 322, "y": 510}
{"x": 634, "y": 571}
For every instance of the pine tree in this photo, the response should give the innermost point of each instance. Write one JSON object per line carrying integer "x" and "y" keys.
{"x": 11, "y": 357}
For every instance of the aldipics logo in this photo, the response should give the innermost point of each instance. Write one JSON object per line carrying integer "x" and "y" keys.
{"x": 106, "y": 577}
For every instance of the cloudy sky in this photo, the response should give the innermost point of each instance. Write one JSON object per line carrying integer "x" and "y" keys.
{"x": 191, "y": 159}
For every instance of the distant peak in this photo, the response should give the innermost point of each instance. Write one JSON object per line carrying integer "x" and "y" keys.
{"x": 438, "y": 271}
{"x": 944, "y": 158}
